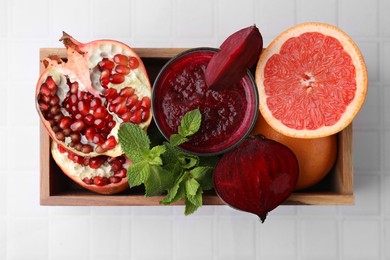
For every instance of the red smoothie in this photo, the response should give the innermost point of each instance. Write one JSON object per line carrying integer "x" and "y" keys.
{"x": 228, "y": 114}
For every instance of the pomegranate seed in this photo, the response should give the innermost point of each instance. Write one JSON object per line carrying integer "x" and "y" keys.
{"x": 55, "y": 128}
{"x": 86, "y": 161}
{"x": 126, "y": 116}
{"x": 83, "y": 107}
{"x": 75, "y": 137}
{"x": 73, "y": 99}
{"x": 100, "y": 112}
{"x": 121, "y": 173}
{"x": 51, "y": 84}
{"x": 121, "y": 59}
{"x": 98, "y": 139}
{"x": 118, "y": 100}
{"x": 117, "y": 78}
{"x": 95, "y": 163}
{"x": 105, "y": 63}
{"x": 145, "y": 115}
{"x": 78, "y": 116}
{"x": 78, "y": 159}
{"x": 121, "y": 108}
{"x": 55, "y": 110}
{"x": 67, "y": 132}
{"x": 145, "y": 102}
{"x": 116, "y": 166}
{"x": 110, "y": 93}
{"x": 133, "y": 63}
{"x": 98, "y": 123}
{"x": 87, "y": 97}
{"x": 111, "y": 124}
{"x": 77, "y": 126}
{"x": 57, "y": 118}
{"x": 45, "y": 90}
{"x": 88, "y": 181}
{"x": 78, "y": 146}
{"x": 136, "y": 117}
{"x": 60, "y": 136}
{"x": 65, "y": 122}
{"x": 122, "y": 69}
{"x": 110, "y": 143}
{"x": 136, "y": 107}
{"x": 44, "y": 98}
{"x": 100, "y": 149}
{"x": 54, "y": 101}
{"x": 74, "y": 87}
{"x": 74, "y": 110}
{"x": 88, "y": 119}
{"x": 43, "y": 106}
{"x": 114, "y": 179}
{"x": 61, "y": 149}
{"x": 90, "y": 133}
{"x": 105, "y": 82}
{"x": 95, "y": 103}
{"x": 126, "y": 92}
{"x": 130, "y": 101}
{"x": 121, "y": 159}
{"x": 86, "y": 148}
{"x": 100, "y": 181}
{"x": 70, "y": 155}
{"x": 105, "y": 77}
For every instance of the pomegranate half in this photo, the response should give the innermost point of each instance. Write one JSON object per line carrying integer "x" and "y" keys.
{"x": 83, "y": 101}
{"x": 101, "y": 174}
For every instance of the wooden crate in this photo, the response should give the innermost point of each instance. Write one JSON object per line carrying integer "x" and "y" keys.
{"x": 57, "y": 189}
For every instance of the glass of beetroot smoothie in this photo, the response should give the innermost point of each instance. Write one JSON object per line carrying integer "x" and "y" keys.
{"x": 228, "y": 114}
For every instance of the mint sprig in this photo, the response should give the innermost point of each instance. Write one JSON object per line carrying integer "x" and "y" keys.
{"x": 165, "y": 169}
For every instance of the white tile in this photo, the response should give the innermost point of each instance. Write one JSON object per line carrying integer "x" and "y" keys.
{"x": 156, "y": 211}
{"x": 366, "y": 150}
{"x": 274, "y": 18}
{"x": 69, "y": 237}
{"x": 370, "y": 114}
{"x": 385, "y": 17}
{"x": 111, "y": 20}
{"x": 4, "y": 151}
{"x": 361, "y": 239}
{"x": 367, "y": 196}
{"x": 242, "y": 19}
{"x": 190, "y": 231}
{"x": 386, "y": 195}
{"x": 3, "y": 237}
{"x": 281, "y": 232}
{"x": 20, "y": 106}
{"x": 205, "y": 210}
{"x": 3, "y": 195}
{"x": 110, "y": 237}
{"x": 386, "y": 144}
{"x": 78, "y": 28}
{"x": 24, "y": 139}
{"x": 319, "y": 238}
{"x": 386, "y": 61}
{"x": 153, "y": 19}
{"x": 4, "y": 65}
{"x": 30, "y": 20}
{"x": 323, "y": 210}
{"x": 3, "y": 108}
{"x": 21, "y": 51}
{"x": 351, "y": 19}
{"x": 318, "y": 10}
{"x": 229, "y": 211}
{"x": 194, "y": 22}
{"x": 236, "y": 238}
{"x": 69, "y": 211}
{"x": 283, "y": 210}
{"x": 386, "y": 110}
{"x": 387, "y": 238}
{"x": 152, "y": 233}
{"x": 370, "y": 53}
{"x": 110, "y": 211}
{"x": 19, "y": 203}
{"x": 3, "y": 18}
{"x": 27, "y": 238}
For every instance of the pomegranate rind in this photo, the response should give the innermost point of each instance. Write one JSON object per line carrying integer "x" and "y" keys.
{"x": 352, "y": 108}
{"x": 68, "y": 168}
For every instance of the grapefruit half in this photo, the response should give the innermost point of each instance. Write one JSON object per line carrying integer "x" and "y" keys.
{"x": 312, "y": 81}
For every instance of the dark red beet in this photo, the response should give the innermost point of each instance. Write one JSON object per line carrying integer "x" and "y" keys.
{"x": 238, "y": 53}
{"x": 256, "y": 176}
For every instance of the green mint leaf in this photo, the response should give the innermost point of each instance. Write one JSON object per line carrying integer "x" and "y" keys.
{"x": 192, "y": 186}
{"x": 188, "y": 161}
{"x": 190, "y": 123}
{"x": 155, "y": 155}
{"x": 203, "y": 174}
{"x": 134, "y": 141}
{"x": 138, "y": 173}
{"x": 159, "y": 180}
{"x": 196, "y": 199}
{"x": 177, "y": 139}
{"x": 172, "y": 195}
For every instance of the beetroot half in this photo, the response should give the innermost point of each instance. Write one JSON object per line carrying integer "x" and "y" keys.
{"x": 256, "y": 176}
